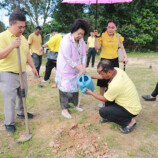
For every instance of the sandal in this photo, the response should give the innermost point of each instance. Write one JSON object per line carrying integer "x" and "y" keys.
{"x": 128, "y": 129}
{"x": 103, "y": 120}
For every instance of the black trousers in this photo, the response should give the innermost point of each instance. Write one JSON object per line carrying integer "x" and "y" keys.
{"x": 37, "y": 59}
{"x": 91, "y": 52}
{"x": 104, "y": 83}
{"x": 49, "y": 66}
{"x": 116, "y": 113}
{"x": 155, "y": 92}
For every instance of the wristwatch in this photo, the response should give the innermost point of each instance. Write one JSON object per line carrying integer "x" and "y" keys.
{"x": 42, "y": 47}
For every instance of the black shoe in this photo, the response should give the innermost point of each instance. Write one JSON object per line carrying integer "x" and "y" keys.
{"x": 128, "y": 129}
{"x": 30, "y": 116}
{"x": 148, "y": 98}
{"x": 10, "y": 128}
{"x": 103, "y": 120}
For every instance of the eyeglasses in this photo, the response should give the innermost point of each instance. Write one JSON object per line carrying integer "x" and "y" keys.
{"x": 99, "y": 71}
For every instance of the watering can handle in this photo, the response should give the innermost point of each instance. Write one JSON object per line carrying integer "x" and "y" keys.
{"x": 83, "y": 79}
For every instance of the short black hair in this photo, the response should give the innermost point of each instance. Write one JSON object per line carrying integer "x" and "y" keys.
{"x": 16, "y": 16}
{"x": 113, "y": 21}
{"x": 38, "y": 28}
{"x": 106, "y": 65}
{"x": 79, "y": 23}
{"x": 91, "y": 30}
{"x": 54, "y": 30}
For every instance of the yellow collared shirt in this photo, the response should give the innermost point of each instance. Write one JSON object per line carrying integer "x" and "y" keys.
{"x": 91, "y": 42}
{"x": 10, "y": 63}
{"x": 123, "y": 91}
{"x": 54, "y": 43}
{"x": 109, "y": 46}
{"x": 35, "y": 42}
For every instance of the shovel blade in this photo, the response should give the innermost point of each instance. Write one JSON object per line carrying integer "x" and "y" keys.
{"x": 24, "y": 138}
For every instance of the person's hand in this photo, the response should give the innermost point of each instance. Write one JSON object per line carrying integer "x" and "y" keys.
{"x": 35, "y": 72}
{"x": 16, "y": 42}
{"x": 87, "y": 50}
{"x": 41, "y": 50}
{"x": 125, "y": 60}
{"x": 88, "y": 91}
{"x": 81, "y": 70}
{"x": 95, "y": 32}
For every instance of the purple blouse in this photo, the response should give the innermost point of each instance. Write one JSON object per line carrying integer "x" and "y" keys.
{"x": 69, "y": 56}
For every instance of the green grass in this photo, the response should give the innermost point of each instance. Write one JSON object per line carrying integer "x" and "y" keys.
{"x": 44, "y": 103}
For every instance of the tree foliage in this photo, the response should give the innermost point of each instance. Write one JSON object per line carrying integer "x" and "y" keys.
{"x": 37, "y": 10}
{"x": 2, "y": 26}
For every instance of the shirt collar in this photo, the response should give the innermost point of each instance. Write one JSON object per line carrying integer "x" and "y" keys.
{"x": 11, "y": 34}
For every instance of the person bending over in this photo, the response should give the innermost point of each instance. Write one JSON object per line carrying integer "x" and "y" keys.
{"x": 122, "y": 103}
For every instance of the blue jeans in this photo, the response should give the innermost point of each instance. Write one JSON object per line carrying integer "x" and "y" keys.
{"x": 37, "y": 59}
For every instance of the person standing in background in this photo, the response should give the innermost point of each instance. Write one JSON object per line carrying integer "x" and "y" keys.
{"x": 91, "y": 48}
{"x": 53, "y": 45}
{"x": 35, "y": 42}
{"x": 109, "y": 46}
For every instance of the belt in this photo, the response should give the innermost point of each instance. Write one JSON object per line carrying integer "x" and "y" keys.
{"x": 15, "y": 73}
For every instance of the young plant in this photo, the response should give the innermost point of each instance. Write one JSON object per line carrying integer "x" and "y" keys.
{"x": 73, "y": 110}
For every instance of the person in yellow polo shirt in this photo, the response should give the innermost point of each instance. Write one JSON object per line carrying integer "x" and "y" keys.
{"x": 109, "y": 45}
{"x": 53, "y": 45}
{"x": 121, "y": 99}
{"x": 9, "y": 71}
{"x": 91, "y": 48}
{"x": 35, "y": 42}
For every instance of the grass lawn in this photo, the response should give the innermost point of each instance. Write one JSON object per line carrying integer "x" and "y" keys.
{"x": 55, "y": 136}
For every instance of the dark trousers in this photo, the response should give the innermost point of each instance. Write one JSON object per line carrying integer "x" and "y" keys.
{"x": 116, "y": 113}
{"x": 91, "y": 52}
{"x": 155, "y": 92}
{"x": 37, "y": 59}
{"x": 49, "y": 66}
{"x": 104, "y": 83}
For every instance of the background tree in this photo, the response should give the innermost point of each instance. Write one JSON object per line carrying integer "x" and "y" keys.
{"x": 2, "y": 26}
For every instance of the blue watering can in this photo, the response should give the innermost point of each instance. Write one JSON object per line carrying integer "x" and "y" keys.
{"x": 84, "y": 82}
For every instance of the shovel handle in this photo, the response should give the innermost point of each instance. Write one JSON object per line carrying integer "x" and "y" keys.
{"x": 23, "y": 91}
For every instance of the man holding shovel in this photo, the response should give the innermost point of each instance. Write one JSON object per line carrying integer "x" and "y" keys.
{"x": 12, "y": 39}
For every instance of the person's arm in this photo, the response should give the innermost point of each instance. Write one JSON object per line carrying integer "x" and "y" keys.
{"x": 97, "y": 96}
{"x": 42, "y": 47}
{"x": 124, "y": 53}
{"x": 30, "y": 62}
{"x": 6, "y": 51}
{"x": 97, "y": 76}
{"x": 97, "y": 45}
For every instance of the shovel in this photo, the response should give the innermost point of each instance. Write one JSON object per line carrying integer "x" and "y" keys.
{"x": 27, "y": 136}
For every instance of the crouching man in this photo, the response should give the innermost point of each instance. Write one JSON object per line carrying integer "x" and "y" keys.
{"x": 121, "y": 99}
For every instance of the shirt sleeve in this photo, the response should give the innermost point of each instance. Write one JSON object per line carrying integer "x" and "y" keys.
{"x": 99, "y": 39}
{"x": 30, "y": 39}
{"x": 51, "y": 42}
{"x": 83, "y": 55}
{"x": 111, "y": 93}
{"x": 67, "y": 53}
{"x": 121, "y": 38}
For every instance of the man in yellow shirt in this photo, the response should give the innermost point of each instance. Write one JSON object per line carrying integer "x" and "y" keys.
{"x": 35, "y": 42}
{"x": 91, "y": 49}
{"x": 53, "y": 45}
{"x": 9, "y": 71}
{"x": 122, "y": 102}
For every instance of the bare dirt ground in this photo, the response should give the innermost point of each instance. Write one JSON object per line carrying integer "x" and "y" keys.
{"x": 54, "y": 136}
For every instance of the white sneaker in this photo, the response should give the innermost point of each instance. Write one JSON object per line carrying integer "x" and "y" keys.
{"x": 66, "y": 115}
{"x": 100, "y": 105}
{"x": 79, "y": 109}
{"x": 47, "y": 81}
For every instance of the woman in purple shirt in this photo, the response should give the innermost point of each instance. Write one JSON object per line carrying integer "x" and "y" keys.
{"x": 71, "y": 63}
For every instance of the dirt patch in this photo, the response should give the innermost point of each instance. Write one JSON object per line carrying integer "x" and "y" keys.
{"x": 76, "y": 138}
